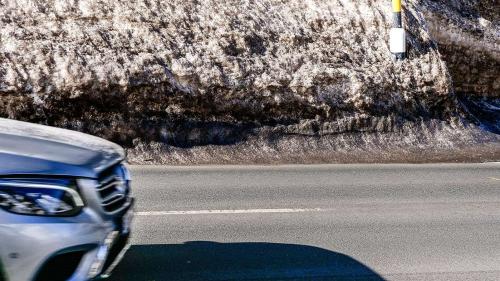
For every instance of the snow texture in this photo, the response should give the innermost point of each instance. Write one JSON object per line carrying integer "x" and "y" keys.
{"x": 195, "y": 73}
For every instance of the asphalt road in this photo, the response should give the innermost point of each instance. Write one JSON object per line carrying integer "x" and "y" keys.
{"x": 327, "y": 222}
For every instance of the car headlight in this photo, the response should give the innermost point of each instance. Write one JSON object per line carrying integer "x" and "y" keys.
{"x": 40, "y": 197}
{"x": 124, "y": 172}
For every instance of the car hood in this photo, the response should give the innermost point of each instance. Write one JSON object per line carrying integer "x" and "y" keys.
{"x": 30, "y": 149}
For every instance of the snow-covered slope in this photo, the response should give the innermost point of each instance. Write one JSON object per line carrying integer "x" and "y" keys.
{"x": 189, "y": 73}
{"x": 468, "y": 35}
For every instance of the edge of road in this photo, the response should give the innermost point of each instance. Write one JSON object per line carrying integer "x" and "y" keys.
{"x": 312, "y": 166}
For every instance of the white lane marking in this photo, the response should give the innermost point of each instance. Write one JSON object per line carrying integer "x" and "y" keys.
{"x": 495, "y": 179}
{"x": 216, "y": 212}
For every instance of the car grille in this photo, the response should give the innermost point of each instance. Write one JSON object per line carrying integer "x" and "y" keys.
{"x": 114, "y": 189}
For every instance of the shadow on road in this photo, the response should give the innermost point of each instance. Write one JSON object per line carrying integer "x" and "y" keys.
{"x": 239, "y": 261}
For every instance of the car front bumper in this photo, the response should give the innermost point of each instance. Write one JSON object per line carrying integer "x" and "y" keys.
{"x": 30, "y": 243}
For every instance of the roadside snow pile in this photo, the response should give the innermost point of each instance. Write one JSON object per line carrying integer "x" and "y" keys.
{"x": 190, "y": 73}
{"x": 468, "y": 35}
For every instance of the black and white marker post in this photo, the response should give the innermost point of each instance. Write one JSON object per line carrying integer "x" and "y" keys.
{"x": 397, "y": 42}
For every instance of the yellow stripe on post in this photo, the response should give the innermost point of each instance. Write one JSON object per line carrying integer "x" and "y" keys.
{"x": 396, "y": 6}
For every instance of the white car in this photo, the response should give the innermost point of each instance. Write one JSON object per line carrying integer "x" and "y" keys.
{"x": 65, "y": 204}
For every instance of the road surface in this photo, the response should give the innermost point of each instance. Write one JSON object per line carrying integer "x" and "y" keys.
{"x": 318, "y": 222}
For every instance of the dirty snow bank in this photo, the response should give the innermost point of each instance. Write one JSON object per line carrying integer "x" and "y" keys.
{"x": 183, "y": 74}
{"x": 468, "y": 35}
